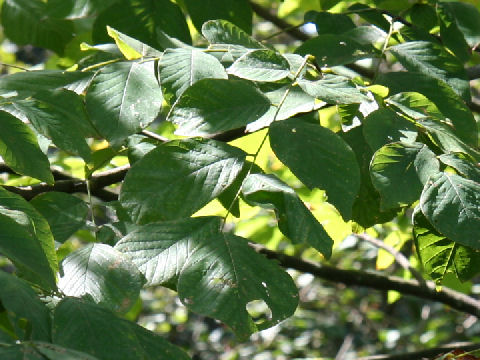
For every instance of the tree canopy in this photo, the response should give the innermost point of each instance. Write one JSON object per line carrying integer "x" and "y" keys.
{"x": 179, "y": 171}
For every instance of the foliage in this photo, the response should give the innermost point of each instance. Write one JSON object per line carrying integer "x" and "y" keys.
{"x": 153, "y": 113}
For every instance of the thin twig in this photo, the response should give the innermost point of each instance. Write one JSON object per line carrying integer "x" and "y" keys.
{"x": 154, "y": 136}
{"x": 397, "y": 255}
{"x": 445, "y": 295}
{"x": 429, "y": 353}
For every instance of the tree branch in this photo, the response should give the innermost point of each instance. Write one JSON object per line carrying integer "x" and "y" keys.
{"x": 452, "y": 298}
{"x": 425, "y": 353}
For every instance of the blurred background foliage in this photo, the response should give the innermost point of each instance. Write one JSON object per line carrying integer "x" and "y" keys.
{"x": 332, "y": 319}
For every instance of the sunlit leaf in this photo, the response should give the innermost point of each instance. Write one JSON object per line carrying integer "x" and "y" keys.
{"x": 450, "y": 203}
{"x": 294, "y": 219}
{"x": 177, "y": 179}
{"x": 208, "y": 107}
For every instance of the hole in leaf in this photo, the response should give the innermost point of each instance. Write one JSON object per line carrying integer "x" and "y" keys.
{"x": 259, "y": 311}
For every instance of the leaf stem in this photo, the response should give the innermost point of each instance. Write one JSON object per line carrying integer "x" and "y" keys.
{"x": 101, "y": 64}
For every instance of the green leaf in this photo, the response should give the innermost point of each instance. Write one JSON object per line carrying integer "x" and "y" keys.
{"x": 465, "y": 166}
{"x": 320, "y": 159}
{"x": 329, "y": 23}
{"x": 467, "y": 19}
{"x": 449, "y": 103}
{"x": 443, "y": 135}
{"x": 333, "y": 89}
{"x": 224, "y": 32}
{"x": 217, "y": 273}
{"x": 415, "y": 105}
{"x": 396, "y": 172}
{"x": 59, "y": 115}
{"x": 160, "y": 250}
{"x": 178, "y": 69}
{"x": 30, "y": 82}
{"x": 439, "y": 255}
{"x": 366, "y": 207}
{"x": 55, "y": 352}
{"x": 371, "y": 15}
{"x": 65, "y": 213}
{"x": 90, "y": 328}
{"x": 131, "y": 48}
{"x": 19, "y": 352}
{"x": 22, "y": 303}
{"x": 424, "y": 16}
{"x": 296, "y": 102}
{"x": 142, "y": 20}
{"x": 237, "y": 12}
{"x": 433, "y": 60}
{"x": 26, "y": 239}
{"x": 19, "y": 149}
{"x": 214, "y": 105}
{"x": 294, "y": 219}
{"x": 331, "y": 50}
{"x": 102, "y": 272}
{"x": 21, "y": 24}
{"x": 78, "y": 9}
{"x": 450, "y": 32}
{"x": 123, "y": 98}
{"x": 384, "y": 126}
{"x": 223, "y": 275}
{"x": 450, "y": 203}
{"x": 177, "y": 179}
{"x": 261, "y": 65}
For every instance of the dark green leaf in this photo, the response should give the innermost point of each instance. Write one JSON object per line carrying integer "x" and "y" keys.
{"x": 450, "y": 32}
{"x": 296, "y": 102}
{"x": 439, "y": 255}
{"x": 371, "y": 15}
{"x": 463, "y": 165}
{"x": 177, "y": 179}
{"x": 433, "y": 60}
{"x": 214, "y": 105}
{"x": 384, "y": 126}
{"x": 59, "y": 115}
{"x": 142, "y": 20}
{"x": 123, "y": 98}
{"x": 450, "y": 104}
{"x": 19, "y": 149}
{"x": 224, "y": 274}
{"x": 28, "y": 22}
{"x": 237, "y": 12}
{"x": 178, "y": 69}
{"x": 261, "y": 65}
{"x": 224, "y": 32}
{"x": 396, "y": 171}
{"x": 330, "y": 50}
{"x": 294, "y": 219}
{"x": 424, "y": 16}
{"x": 160, "y": 250}
{"x": 450, "y": 203}
{"x": 27, "y": 240}
{"x": 21, "y": 303}
{"x": 443, "y": 135}
{"x": 329, "y": 23}
{"x": 90, "y": 328}
{"x": 467, "y": 18}
{"x": 333, "y": 89}
{"x": 65, "y": 213}
{"x": 27, "y": 83}
{"x": 55, "y": 352}
{"x": 366, "y": 207}
{"x": 102, "y": 272}
{"x": 319, "y": 158}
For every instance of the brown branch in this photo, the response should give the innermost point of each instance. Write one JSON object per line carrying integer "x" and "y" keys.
{"x": 429, "y": 353}
{"x": 282, "y": 24}
{"x": 452, "y": 298}
{"x": 397, "y": 255}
